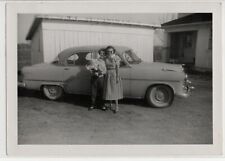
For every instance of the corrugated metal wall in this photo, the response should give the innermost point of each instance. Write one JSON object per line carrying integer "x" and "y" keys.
{"x": 59, "y": 35}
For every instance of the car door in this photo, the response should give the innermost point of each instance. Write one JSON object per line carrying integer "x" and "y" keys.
{"x": 76, "y": 76}
{"x": 125, "y": 72}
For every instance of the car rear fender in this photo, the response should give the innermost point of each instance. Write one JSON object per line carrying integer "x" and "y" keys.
{"x": 52, "y": 83}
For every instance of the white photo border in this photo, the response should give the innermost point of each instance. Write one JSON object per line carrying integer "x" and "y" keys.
{"x": 2, "y": 82}
{"x": 52, "y": 7}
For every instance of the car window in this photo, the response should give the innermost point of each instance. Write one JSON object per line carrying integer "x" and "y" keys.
{"x": 71, "y": 60}
{"x": 80, "y": 59}
{"x": 128, "y": 57}
{"x": 131, "y": 57}
{"x": 91, "y": 55}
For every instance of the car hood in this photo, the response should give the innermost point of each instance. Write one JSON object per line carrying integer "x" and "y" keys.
{"x": 41, "y": 65}
{"x": 37, "y": 66}
{"x": 160, "y": 66}
{"x": 157, "y": 71}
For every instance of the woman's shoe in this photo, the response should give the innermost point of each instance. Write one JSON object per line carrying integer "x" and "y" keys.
{"x": 116, "y": 110}
{"x": 104, "y": 108}
{"x": 90, "y": 108}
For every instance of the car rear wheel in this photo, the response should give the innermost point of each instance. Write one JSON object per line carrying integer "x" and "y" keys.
{"x": 159, "y": 96}
{"x": 52, "y": 92}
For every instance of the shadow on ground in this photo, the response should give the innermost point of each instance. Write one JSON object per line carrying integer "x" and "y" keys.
{"x": 79, "y": 100}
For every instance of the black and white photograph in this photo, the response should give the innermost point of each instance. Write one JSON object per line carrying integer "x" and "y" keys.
{"x": 106, "y": 75}
{"x": 115, "y": 78}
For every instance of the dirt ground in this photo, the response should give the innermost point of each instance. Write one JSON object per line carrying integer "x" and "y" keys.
{"x": 187, "y": 121}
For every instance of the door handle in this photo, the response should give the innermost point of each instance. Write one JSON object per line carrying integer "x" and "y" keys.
{"x": 66, "y": 68}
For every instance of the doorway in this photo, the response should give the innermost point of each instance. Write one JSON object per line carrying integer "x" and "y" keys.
{"x": 183, "y": 46}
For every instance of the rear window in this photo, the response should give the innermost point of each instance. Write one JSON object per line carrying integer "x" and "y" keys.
{"x": 80, "y": 59}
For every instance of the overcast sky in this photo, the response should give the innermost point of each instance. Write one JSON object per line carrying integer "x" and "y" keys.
{"x": 25, "y": 20}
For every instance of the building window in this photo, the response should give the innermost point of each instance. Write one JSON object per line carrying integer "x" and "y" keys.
{"x": 210, "y": 39}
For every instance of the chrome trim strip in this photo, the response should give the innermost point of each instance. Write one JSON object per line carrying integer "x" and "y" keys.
{"x": 153, "y": 80}
{"x": 43, "y": 80}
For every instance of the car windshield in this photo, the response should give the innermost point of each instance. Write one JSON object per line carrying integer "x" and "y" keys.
{"x": 131, "y": 57}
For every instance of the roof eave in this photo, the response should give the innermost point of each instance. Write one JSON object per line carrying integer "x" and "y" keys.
{"x": 33, "y": 28}
{"x": 100, "y": 21}
{"x": 39, "y": 19}
{"x": 186, "y": 24}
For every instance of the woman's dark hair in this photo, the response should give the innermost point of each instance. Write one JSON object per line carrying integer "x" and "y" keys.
{"x": 101, "y": 50}
{"x": 111, "y": 47}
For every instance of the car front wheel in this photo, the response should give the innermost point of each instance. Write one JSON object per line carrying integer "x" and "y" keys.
{"x": 52, "y": 92}
{"x": 159, "y": 96}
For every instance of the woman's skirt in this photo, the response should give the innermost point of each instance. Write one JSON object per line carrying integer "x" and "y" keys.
{"x": 112, "y": 90}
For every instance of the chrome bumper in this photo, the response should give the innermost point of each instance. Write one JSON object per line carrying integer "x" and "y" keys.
{"x": 21, "y": 84}
{"x": 187, "y": 89}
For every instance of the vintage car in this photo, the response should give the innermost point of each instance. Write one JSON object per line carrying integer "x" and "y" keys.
{"x": 155, "y": 82}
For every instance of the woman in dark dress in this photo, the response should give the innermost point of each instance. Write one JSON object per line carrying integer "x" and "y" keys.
{"x": 113, "y": 90}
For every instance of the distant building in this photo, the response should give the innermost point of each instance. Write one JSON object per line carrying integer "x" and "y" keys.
{"x": 23, "y": 58}
{"x": 189, "y": 40}
{"x": 50, "y": 35}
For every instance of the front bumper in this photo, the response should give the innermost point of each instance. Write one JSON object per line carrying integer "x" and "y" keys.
{"x": 187, "y": 88}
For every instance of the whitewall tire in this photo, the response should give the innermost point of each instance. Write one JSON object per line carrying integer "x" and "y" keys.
{"x": 52, "y": 92}
{"x": 160, "y": 96}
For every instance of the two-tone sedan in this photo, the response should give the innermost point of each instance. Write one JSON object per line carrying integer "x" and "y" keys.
{"x": 157, "y": 83}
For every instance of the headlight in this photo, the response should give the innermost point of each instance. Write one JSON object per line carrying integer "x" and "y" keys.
{"x": 187, "y": 83}
{"x": 183, "y": 65}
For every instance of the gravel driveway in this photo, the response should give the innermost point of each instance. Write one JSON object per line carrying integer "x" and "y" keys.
{"x": 187, "y": 121}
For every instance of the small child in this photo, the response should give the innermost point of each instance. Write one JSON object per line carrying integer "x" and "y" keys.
{"x": 98, "y": 69}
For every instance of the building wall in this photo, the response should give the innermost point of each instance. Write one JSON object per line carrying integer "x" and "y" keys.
{"x": 37, "y": 47}
{"x": 23, "y": 57}
{"x": 58, "y": 35}
{"x": 203, "y": 54}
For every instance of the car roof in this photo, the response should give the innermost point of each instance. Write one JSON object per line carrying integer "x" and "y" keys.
{"x": 70, "y": 51}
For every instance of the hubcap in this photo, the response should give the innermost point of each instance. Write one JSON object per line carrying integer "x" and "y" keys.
{"x": 52, "y": 91}
{"x": 159, "y": 96}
